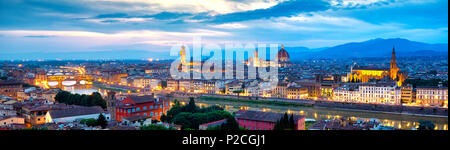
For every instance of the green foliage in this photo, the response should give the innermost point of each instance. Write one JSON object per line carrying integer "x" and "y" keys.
{"x": 163, "y": 84}
{"x": 426, "y": 125}
{"x": 101, "y": 121}
{"x": 95, "y": 99}
{"x": 191, "y": 107}
{"x": 26, "y": 85}
{"x": 156, "y": 127}
{"x": 89, "y": 122}
{"x": 193, "y": 120}
{"x": 176, "y": 109}
{"x": 285, "y": 123}
{"x": 308, "y": 123}
{"x": 231, "y": 124}
{"x": 191, "y": 116}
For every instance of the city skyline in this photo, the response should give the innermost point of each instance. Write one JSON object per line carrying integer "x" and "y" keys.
{"x": 60, "y": 26}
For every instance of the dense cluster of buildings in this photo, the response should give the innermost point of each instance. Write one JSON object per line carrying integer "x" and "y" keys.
{"x": 28, "y": 89}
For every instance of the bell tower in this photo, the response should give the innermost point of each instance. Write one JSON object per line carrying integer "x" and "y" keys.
{"x": 183, "y": 55}
{"x": 393, "y": 68}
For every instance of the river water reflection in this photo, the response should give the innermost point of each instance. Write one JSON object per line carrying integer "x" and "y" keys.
{"x": 407, "y": 122}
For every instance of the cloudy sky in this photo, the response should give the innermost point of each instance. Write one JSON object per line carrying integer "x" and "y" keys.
{"x": 155, "y": 25}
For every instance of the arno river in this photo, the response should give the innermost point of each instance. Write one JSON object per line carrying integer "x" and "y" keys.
{"x": 407, "y": 122}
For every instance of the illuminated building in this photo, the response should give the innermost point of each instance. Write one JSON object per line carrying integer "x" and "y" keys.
{"x": 283, "y": 57}
{"x": 433, "y": 96}
{"x": 346, "y": 94}
{"x": 11, "y": 120}
{"x": 35, "y": 114}
{"x": 144, "y": 82}
{"x": 185, "y": 85}
{"x": 407, "y": 94}
{"x": 365, "y": 74}
{"x": 233, "y": 87}
{"x": 204, "y": 86}
{"x": 384, "y": 93}
{"x": 183, "y": 55}
{"x": 10, "y": 88}
{"x": 172, "y": 85}
{"x": 147, "y": 106}
{"x": 313, "y": 87}
{"x": 281, "y": 90}
{"x": 297, "y": 92}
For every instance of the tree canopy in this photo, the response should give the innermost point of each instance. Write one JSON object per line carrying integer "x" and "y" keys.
{"x": 191, "y": 116}
{"x": 95, "y": 99}
{"x": 285, "y": 123}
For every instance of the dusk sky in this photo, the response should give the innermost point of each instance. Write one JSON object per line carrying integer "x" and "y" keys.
{"x": 155, "y": 25}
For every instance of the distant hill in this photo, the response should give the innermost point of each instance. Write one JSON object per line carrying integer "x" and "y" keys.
{"x": 371, "y": 48}
{"x": 375, "y": 48}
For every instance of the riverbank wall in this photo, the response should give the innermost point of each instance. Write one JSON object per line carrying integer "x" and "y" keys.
{"x": 412, "y": 110}
{"x": 407, "y": 110}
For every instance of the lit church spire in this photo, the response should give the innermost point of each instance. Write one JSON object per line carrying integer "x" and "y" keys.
{"x": 393, "y": 68}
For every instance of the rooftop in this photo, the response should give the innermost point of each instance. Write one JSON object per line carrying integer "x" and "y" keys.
{"x": 262, "y": 116}
{"x": 136, "y": 118}
{"x": 76, "y": 111}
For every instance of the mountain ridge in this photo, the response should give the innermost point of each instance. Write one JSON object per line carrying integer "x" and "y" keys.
{"x": 371, "y": 48}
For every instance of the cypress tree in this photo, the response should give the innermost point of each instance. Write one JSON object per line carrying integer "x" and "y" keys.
{"x": 292, "y": 122}
{"x": 101, "y": 121}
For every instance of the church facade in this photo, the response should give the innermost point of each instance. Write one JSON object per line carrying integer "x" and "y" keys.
{"x": 365, "y": 74}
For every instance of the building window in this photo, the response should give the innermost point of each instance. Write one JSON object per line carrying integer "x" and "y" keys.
{"x": 145, "y": 114}
{"x": 144, "y": 108}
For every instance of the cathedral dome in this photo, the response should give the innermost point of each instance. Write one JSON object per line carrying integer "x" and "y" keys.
{"x": 283, "y": 55}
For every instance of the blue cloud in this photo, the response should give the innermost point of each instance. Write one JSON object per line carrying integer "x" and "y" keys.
{"x": 423, "y": 15}
{"x": 426, "y": 21}
{"x": 115, "y": 15}
{"x": 39, "y": 36}
{"x": 288, "y": 8}
{"x": 168, "y": 15}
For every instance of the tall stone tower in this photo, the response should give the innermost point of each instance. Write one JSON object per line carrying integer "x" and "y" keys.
{"x": 111, "y": 104}
{"x": 183, "y": 55}
{"x": 255, "y": 58}
{"x": 393, "y": 69}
